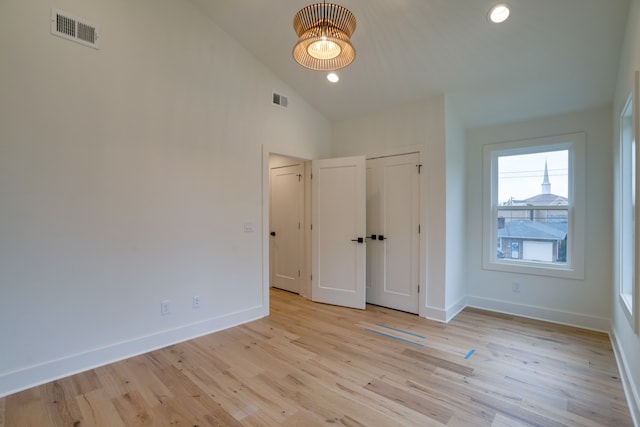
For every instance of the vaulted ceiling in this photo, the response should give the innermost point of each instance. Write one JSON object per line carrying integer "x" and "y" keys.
{"x": 550, "y": 57}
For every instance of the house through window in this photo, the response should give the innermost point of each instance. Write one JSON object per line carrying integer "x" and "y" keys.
{"x": 533, "y": 225}
{"x": 533, "y": 206}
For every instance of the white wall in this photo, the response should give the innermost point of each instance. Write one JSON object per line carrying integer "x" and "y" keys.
{"x": 456, "y": 215}
{"x": 126, "y": 174}
{"x": 418, "y": 124}
{"x": 584, "y": 303}
{"x": 408, "y": 125}
{"x": 626, "y": 342}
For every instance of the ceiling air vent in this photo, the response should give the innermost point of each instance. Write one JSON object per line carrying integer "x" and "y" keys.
{"x": 280, "y": 100}
{"x": 71, "y": 28}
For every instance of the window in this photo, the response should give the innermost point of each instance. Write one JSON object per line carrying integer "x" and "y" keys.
{"x": 627, "y": 209}
{"x": 534, "y": 206}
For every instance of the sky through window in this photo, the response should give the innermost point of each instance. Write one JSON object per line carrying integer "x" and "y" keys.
{"x": 521, "y": 176}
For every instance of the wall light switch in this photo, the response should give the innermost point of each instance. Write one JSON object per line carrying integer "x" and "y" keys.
{"x": 249, "y": 227}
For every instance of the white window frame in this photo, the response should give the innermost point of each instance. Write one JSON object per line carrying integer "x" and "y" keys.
{"x": 630, "y": 302}
{"x": 575, "y": 144}
{"x": 624, "y": 259}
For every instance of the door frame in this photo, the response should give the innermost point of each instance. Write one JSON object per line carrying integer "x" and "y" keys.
{"x": 305, "y": 282}
{"x": 306, "y": 285}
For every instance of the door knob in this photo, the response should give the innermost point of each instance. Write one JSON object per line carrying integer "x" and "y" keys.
{"x": 273, "y": 233}
{"x": 381, "y": 237}
{"x": 373, "y": 237}
{"x": 359, "y": 240}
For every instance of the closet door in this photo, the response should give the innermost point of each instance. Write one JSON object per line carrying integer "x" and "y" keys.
{"x": 338, "y": 234}
{"x": 374, "y": 272}
{"x": 394, "y": 254}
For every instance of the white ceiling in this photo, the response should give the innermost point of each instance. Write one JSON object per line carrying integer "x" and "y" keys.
{"x": 550, "y": 57}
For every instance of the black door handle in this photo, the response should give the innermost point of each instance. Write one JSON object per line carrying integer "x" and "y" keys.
{"x": 359, "y": 240}
{"x": 273, "y": 233}
{"x": 373, "y": 237}
{"x": 381, "y": 237}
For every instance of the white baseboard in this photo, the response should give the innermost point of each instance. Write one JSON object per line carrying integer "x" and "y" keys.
{"x": 630, "y": 388}
{"x": 454, "y": 309}
{"x": 32, "y": 376}
{"x": 580, "y": 320}
{"x": 445, "y": 315}
{"x": 437, "y": 314}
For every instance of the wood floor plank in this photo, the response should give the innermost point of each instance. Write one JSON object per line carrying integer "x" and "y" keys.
{"x": 559, "y": 414}
{"x": 140, "y": 377}
{"x": 502, "y": 421}
{"x": 438, "y": 362}
{"x": 602, "y": 413}
{"x": 60, "y": 403}
{"x": 32, "y": 408}
{"x": 98, "y": 410}
{"x": 457, "y": 395}
{"x": 331, "y": 403}
{"x": 411, "y": 400}
{"x": 240, "y": 394}
{"x": 311, "y": 364}
{"x": 132, "y": 409}
{"x": 516, "y": 412}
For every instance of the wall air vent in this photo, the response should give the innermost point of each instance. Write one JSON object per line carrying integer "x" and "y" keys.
{"x": 71, "y": 28}
{"x": 280, "y": 100}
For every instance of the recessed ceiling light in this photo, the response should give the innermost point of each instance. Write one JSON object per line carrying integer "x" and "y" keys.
{"x": 333, "y": 77}
{"x": 499, "y": 13}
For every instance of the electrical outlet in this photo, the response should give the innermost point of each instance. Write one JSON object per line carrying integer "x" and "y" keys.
{"x": 515, "y": 286}
{"x": 196, "y": 301}
{"x": 165, "y": 307}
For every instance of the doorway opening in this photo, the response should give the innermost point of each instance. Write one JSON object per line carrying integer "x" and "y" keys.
{"x": 289, "y": 241}
{"x": 290, "y": 250}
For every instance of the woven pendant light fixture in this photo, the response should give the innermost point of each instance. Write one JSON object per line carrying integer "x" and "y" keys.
{"x": 324, "y": 31}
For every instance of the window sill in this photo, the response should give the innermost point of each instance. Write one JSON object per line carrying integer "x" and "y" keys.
{"x": 534, "y": 268}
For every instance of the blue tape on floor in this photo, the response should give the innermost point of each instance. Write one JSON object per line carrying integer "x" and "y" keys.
{"x": 395, "y": 338}
{"x": 470, "y": 354}
{"x": 400, "y": 330}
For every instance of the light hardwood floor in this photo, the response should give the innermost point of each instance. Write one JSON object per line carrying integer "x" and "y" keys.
{"x": 311, "y": 364}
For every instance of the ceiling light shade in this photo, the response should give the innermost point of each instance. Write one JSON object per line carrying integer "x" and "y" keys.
{"x": 324, "y": 31}
{"x": 499, "y": 13}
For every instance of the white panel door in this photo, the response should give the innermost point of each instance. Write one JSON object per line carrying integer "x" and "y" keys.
{"x": 374, "y": 272}
{"x": 394, "y": 253}
{"x": 286, "y": 233}
{"x": 339, "y": 222}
